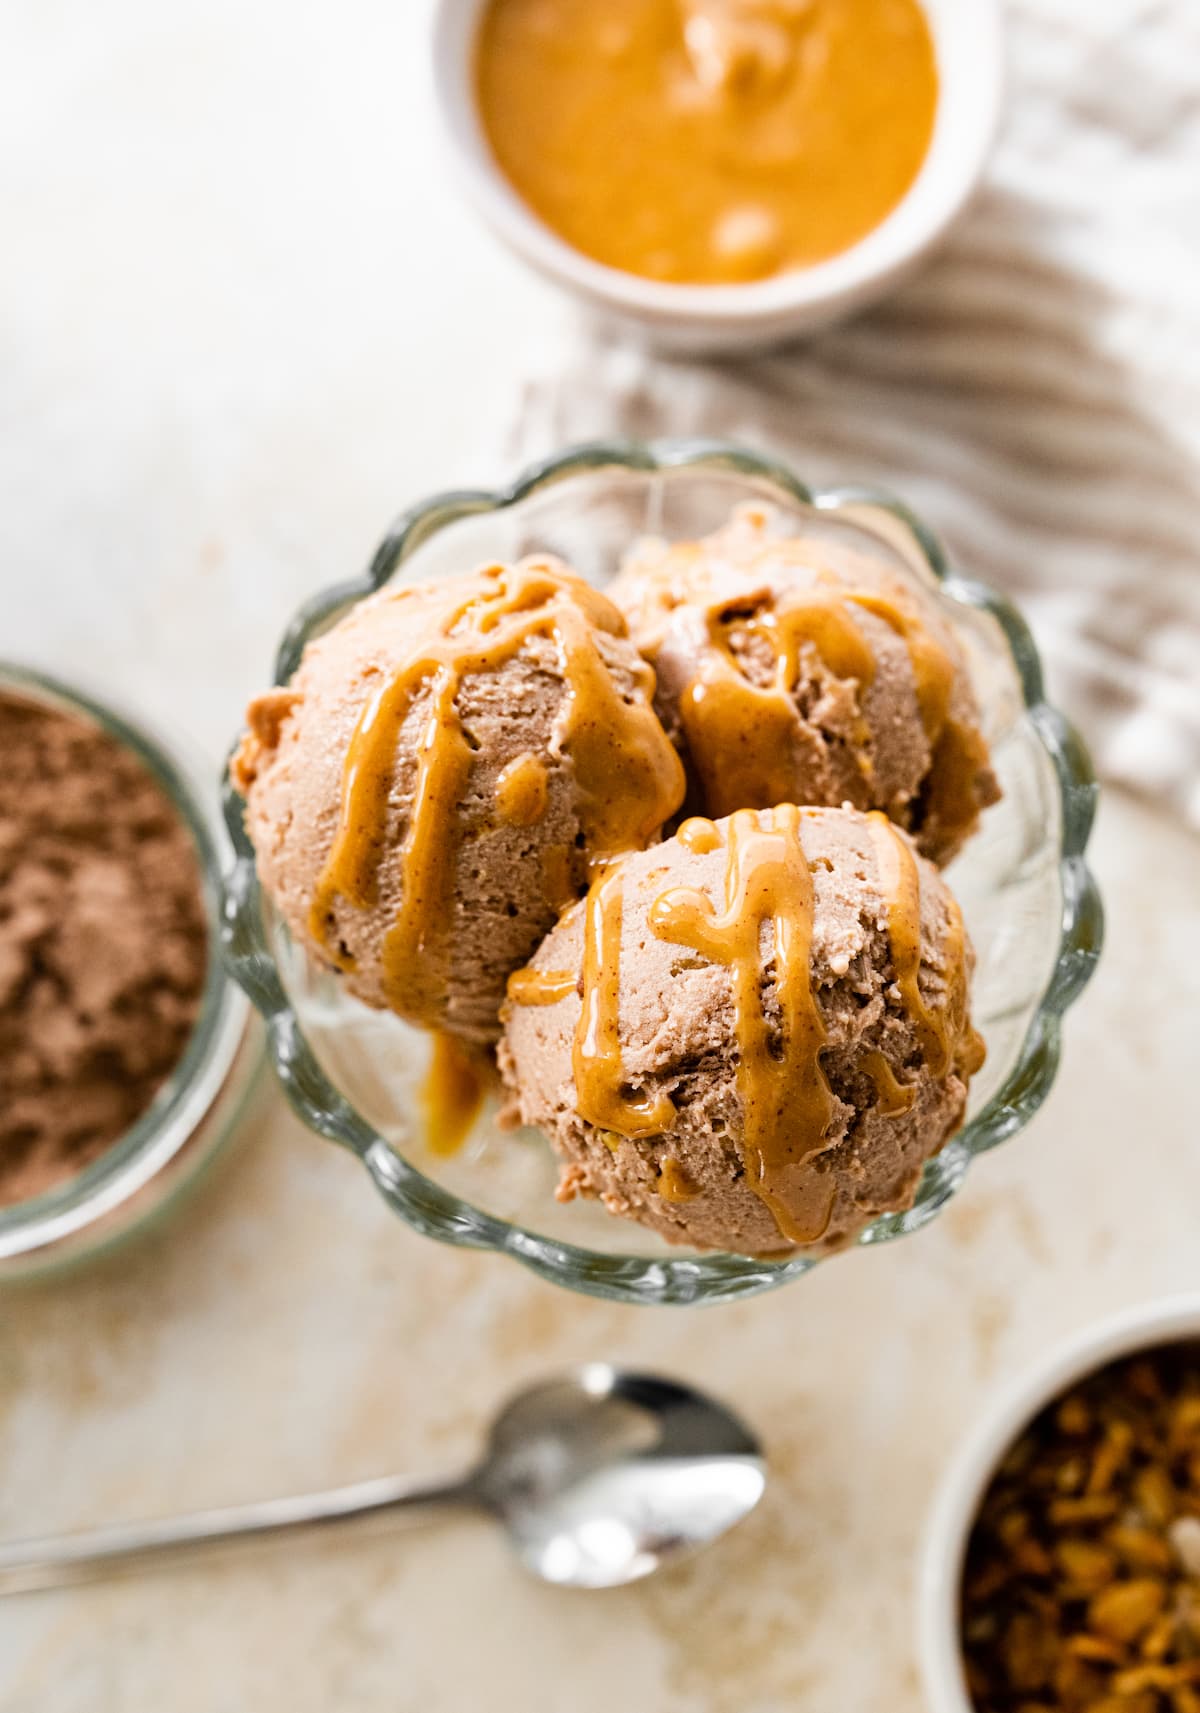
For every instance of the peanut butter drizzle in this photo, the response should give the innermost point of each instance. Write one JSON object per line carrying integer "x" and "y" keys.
{"x": 741, "y": 735}
{"x": 952, "y": 797}
{"x": 522, "y": 791}
{"x": 673, "y": 1183}
{"x": 970, "y": 1049}
{"x": 958, "y": 753}
{"x": 944, "y": 1035}
{"x": 932, "y": 668}
{"x": 787, "y": 1104}
{"x": 786, "y": 1100}
{"x": 628, "y": 777}
{"x": 596, "y": 1055}
{"x": 699, "y": 836}
{"x": 558, "y": 882}
{"x": 894, "y": 1096}
{"x": 453, "y": 1091}
{"x": 541, "y": 987}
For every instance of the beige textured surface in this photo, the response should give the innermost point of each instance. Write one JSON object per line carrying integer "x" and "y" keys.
{"x": 211, "y": 419}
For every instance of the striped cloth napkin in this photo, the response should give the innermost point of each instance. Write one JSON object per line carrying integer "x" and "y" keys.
{"x": 1034, "y": 394}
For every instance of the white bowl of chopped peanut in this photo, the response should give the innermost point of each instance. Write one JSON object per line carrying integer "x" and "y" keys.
{"x": 1061, "y": 1567}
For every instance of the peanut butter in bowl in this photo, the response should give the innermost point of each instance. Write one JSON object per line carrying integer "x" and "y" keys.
{"x": 708, "y": 142}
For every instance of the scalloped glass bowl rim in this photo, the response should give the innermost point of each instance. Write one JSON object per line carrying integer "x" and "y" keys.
{"x": 435, "y": 1212}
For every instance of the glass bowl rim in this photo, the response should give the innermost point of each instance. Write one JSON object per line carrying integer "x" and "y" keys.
{"x": 36, "y": 1225}
{"x": 436, "y": 1212}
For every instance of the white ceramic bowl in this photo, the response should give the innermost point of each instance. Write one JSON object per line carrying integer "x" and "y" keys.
{"x": 954, "y": 1511}
{"x": 968, "y": 37}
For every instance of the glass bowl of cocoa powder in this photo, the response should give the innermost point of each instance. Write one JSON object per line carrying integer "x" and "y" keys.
{"x": 125, "y": 1052}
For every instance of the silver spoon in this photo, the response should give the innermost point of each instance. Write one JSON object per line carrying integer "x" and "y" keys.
{"x": 599, "y": 1478}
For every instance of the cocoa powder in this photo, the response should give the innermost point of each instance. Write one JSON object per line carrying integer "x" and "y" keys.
{"x": 103, "y": 943}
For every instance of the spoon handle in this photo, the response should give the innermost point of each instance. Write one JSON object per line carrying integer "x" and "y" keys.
{"x": 30, "y": 1565}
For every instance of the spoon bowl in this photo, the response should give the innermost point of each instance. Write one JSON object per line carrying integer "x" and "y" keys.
{"x": 602, "y": 1476}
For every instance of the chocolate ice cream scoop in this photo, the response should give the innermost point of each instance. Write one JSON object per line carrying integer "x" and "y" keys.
{"x": 753, "y": 1035}
{"x": 794, "y": 670}
{"x": 440, "y": 775}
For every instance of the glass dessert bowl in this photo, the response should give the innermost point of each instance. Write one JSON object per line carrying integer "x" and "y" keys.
{"x": 360, "y": 1076}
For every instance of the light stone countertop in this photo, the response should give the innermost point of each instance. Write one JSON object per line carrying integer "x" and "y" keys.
{"x": 241, "y": 323}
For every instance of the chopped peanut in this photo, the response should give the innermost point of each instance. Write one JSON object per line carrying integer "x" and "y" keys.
{"x": 1081, "y": 1591}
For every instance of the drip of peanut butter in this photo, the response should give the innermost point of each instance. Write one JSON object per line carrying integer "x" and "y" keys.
{"x": 741, "y": 735}
{"x": 558, "y": 881}
{"x": 945, "y": 1036}
{"x": 522, "y": 791}
{"x": 951, "y": 797}
{"x": 627, "y": 778}
{"x": 932, "y": 668}
{"x": 540, "y": 987}
{"x": 674, "y": 1185}
{"x": 894, "y": 1096}
{"x": 958, "y": 753}
{"x": 599, "y": 1085}
{"x": 787, "y": 1105}
{"x": 455, "y": 1084}
{"x": 699, "y": 836}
